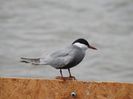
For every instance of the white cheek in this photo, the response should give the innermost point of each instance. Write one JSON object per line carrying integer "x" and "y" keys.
{"x": 82, "y": 46}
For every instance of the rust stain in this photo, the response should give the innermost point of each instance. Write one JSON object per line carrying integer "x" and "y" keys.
{"x": 28, "y": 88}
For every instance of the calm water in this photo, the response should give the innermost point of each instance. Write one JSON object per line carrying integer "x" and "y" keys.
{"x": 35, "y": 27}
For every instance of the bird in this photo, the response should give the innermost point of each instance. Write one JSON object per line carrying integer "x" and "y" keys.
{"x": 65, "y": 58}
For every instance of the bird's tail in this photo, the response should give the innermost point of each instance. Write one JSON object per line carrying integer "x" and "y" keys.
{"x": 35, "y": 61}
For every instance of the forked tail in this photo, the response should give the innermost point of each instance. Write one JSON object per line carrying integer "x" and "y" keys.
{"x": 30, "y": 60}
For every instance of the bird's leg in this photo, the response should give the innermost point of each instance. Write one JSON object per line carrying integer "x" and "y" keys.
{"x": 70, "y": 74}
{"x": 60, "y": 77}
{"x": 61, "y": 73}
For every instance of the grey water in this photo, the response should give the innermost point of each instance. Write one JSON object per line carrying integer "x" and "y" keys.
{"x": 32, "y": 28}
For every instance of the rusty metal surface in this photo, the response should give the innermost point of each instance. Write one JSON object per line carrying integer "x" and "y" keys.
{"x": 28, "y": 88}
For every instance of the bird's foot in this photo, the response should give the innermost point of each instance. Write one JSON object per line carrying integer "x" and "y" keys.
{"x": 66, "y": 78}
{"x": 60, "y": 77}
{"x": 72, "y": 78}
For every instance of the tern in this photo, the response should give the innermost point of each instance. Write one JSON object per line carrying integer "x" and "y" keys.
{"x": 65, "y": 58}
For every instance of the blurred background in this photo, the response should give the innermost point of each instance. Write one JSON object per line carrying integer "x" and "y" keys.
{"x": 32, "y": 28}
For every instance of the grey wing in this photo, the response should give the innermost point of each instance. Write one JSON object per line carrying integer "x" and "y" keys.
{"x": 61, "y": 58}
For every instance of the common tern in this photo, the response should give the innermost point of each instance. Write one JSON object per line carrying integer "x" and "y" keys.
{"x": 64, "y": 58}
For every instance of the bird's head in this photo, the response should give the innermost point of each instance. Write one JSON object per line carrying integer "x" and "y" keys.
{"x": 83, "y": 44}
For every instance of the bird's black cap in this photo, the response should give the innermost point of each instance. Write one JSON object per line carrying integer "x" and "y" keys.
{"x": 83, "y": 41}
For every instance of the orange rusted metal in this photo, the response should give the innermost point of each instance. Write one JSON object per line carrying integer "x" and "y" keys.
{"x": 35, "y": 88}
